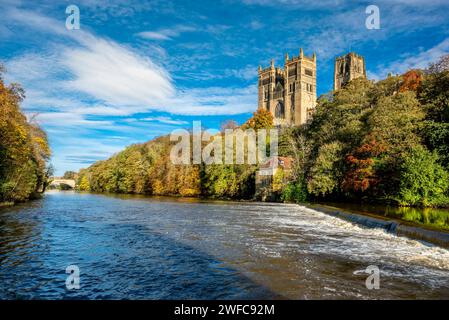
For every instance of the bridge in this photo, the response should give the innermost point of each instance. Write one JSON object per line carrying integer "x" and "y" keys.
{"x": 56, "y": 182}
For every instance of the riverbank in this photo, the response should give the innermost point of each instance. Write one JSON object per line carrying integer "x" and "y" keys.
{"x": 6, "y": 204}
{"x": 395, "y": 226}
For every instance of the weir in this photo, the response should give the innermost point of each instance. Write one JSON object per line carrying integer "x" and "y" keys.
{"x": 397, "y": 227}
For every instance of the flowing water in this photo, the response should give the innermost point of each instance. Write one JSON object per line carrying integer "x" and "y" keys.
{"x": 129, "y": 247}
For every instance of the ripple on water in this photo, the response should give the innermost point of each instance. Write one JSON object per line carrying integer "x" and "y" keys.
{"x": 132, "y": 247}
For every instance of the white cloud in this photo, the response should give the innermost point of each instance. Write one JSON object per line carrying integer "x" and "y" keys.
{"x": 418, "y": 61}
{"x": 116, "y": 75}
{"x": 116, "y": 79}
{"x": 153, "y": 35}
{"x": 166, "y": 34}
{"x": 67, "y": 119}
{"x": 215, "y": 101}
{"x": 166, "y": 120}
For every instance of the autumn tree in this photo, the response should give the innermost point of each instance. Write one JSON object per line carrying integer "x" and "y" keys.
{"x": 24, "y": 149}
{"x": 261, "y": 119}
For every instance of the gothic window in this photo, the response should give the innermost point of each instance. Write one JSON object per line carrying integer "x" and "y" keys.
{"x": 308, "y": 72}
{"x": 292, "y": 87}
{"x": 278, "y": 91}
{"x": 292, "y": 71}
{"x": 279, "y": 110}
{"x": 293, "y": 109}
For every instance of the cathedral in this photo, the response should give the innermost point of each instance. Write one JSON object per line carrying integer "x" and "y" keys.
{"x": 289, "y": 93}
{"x": 348, "y": 67}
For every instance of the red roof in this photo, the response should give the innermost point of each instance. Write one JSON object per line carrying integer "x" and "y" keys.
{"x": 283, "y": 162}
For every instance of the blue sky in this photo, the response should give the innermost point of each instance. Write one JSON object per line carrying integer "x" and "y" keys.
{"x": 139, "y": 69}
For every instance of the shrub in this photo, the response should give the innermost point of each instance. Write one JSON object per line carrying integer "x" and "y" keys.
{"x": 294, "y": 192}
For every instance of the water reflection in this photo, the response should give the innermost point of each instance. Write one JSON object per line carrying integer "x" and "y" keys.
{"x": 428, "y": 217}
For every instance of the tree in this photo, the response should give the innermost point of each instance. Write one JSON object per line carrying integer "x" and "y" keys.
{"x": 261, "y": 119}
{"x": 434, "y": 96}
{"x": 412, "y": 80}
{"x": 229, "y": 124}
{"x": 361, "y": 173}
{"x": 326, "y": 173}
{"x": 423, "y": 181}
{"x": 69, "y": 175}
{"x": 24, "y": 150}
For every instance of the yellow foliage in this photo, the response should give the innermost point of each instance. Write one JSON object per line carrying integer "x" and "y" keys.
{"x": 158, "y": 187}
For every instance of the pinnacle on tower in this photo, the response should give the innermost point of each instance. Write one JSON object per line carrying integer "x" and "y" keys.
{"x": 301, "y": 53}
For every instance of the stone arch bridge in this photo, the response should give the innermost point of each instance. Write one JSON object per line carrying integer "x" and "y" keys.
{"x": 56, "y": 182}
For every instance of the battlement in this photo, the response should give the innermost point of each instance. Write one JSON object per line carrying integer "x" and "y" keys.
{"x": 301, "y": 57}
{"x": 348, "y": 67}
{"x": 350, "y": 54}
{"x": 289, "y": 92}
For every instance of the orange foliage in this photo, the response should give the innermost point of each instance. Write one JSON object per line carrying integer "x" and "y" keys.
{"x": 361, "y": 174}
{"x": 411, "y": 81}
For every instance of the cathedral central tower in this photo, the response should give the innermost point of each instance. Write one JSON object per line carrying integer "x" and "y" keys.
{"x": 348, "y": 67}
{"x": 289, "y": 93}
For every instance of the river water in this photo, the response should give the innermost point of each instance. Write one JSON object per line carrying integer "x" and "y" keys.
{"x": 130, "y": 247}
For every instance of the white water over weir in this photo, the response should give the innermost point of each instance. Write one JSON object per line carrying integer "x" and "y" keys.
{"x": 185, "y": 248}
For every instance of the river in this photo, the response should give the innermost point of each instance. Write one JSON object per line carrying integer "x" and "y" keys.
{"x": 131, "y": 247}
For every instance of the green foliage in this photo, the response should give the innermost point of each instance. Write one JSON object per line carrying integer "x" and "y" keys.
{"x": 436, "y": 137}
{"x": 69, "y": 175}
{"x": 434, "y": 96}
{"x": 295, "y": 192}
{"x": 423, "y": 182}
{"x": 325, "y": 174}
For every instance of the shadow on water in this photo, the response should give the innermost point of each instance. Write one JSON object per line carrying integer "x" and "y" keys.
{"x": 117, "y": 260}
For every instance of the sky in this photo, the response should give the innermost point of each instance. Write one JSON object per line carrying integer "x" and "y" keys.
{"x": 139, "y": 69}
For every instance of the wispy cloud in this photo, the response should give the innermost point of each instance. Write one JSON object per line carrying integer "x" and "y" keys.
{"x": 166, "y": 120}
{"x": 116, "y": 75}
{"x": 166, "y": 34}
{"x": 421, "y": 60}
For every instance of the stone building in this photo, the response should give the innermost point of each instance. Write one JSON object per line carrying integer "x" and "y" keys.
{"x": 348, "y": 67}
{"x": 289, "y": 93}
{"x": 266, "y": 176}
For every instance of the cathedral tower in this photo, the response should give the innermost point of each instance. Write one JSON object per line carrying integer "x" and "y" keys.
{"x": 289, "y": 93}
{"x": 348, "y": 67}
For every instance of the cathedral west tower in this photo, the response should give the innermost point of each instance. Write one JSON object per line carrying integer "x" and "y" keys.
{"x": 289, "y": 93}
